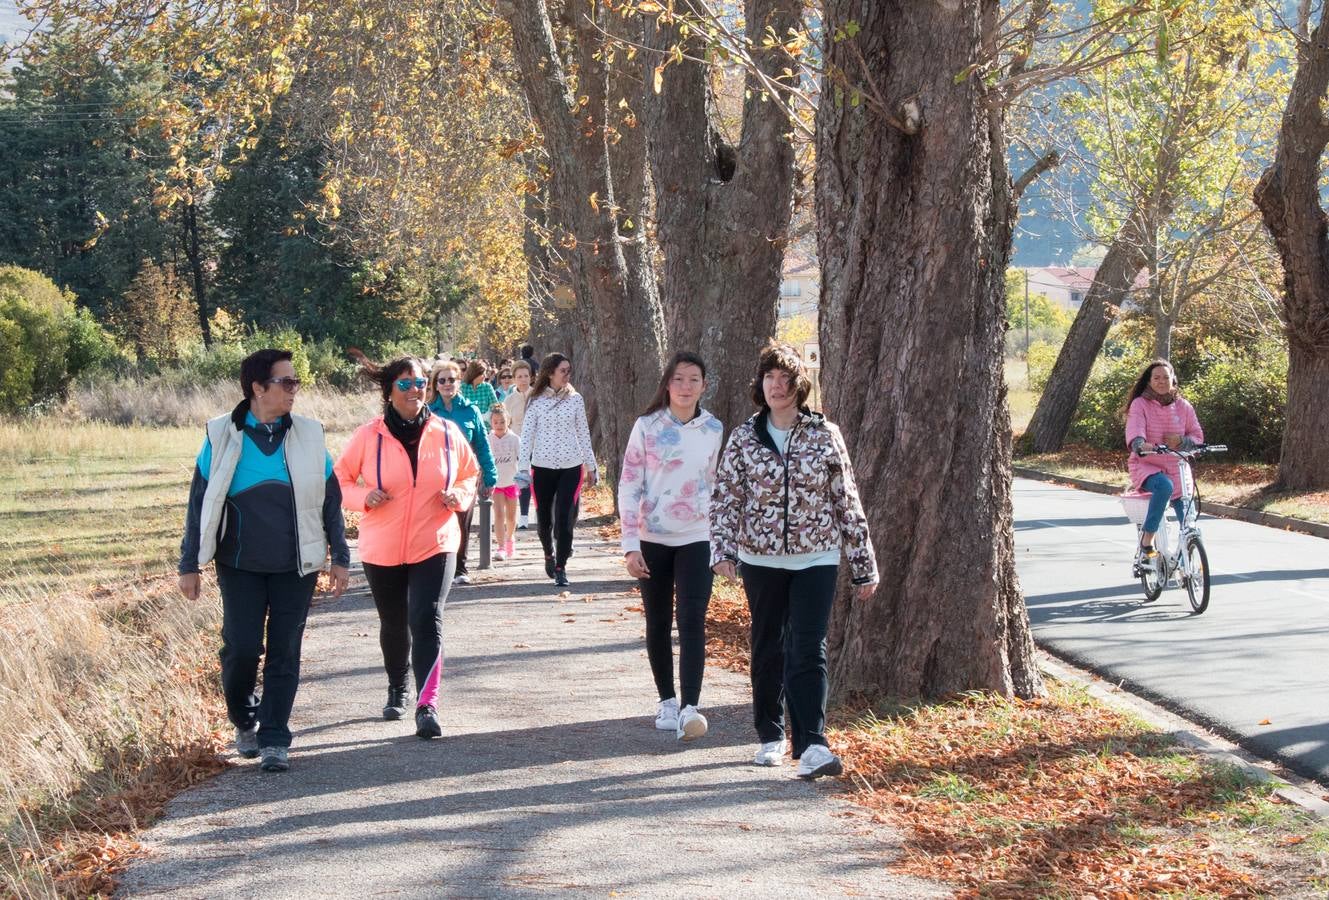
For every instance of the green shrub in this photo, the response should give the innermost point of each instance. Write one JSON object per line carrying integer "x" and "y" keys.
{"x": 1241, "y": 401}
{"x": 1042, "y": 357}
{"x": 329, "y": 364}
{"x": 16, "y": 373}
{"x": 1098, "y": 419}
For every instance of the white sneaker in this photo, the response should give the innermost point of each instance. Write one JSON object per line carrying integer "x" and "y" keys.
{"x": 461, "y": 579}
{"x": 666, "y": 715}
{"x": 691, "y": 724}
{"x": 817, "y": 761}
{"x": 770, "y": 753}
{"x": 523, "y": 523}
{"x": 499, "y": 557}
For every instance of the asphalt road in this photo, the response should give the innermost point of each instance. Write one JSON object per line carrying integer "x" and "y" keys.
{"x": 1255, "y": 665}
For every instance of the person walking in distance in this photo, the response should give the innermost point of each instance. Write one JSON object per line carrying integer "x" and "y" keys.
{"x": 411, "y": 473}
{"x": 522, "y": 374}
{"x": 505, "y": 447}
{"x": 664, "y": 495}
{"x": 446, "y": 401}
{"x": 265, "y": 505}
{"x": 555, "y": 453}
{"x": 477, "y": 390}
{"x": 784, "y": 509}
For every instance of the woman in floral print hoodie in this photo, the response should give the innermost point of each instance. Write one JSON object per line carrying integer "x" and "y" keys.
{"x": 664, "y": 495}
{"x": 784, "y": 509}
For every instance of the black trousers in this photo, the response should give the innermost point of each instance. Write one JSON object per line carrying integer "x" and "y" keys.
{"x": 555, "y": 497}
{"x": 680, "y": 580}
{"x": 464, "y": 522}
{"x": 525, "y": 496}
{"x": 252, "y": 603}
{"x": 791, "y": 610}
{"x": 410, "y": 601}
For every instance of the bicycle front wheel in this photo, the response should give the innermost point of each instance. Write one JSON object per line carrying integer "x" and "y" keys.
{"x": 1152, "y": 579}
{"x": 1195, "y": 574}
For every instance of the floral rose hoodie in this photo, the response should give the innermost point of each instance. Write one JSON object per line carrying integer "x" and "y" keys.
{"x": 664, "y": 490}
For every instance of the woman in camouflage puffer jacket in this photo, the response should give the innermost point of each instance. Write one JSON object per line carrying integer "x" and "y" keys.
{"x": 783, "y": 509}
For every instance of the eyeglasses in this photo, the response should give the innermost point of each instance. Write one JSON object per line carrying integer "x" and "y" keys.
{"x": 448, "y": 380}
{"x": 288, "y": 384}
{"x": 405, "y": 384}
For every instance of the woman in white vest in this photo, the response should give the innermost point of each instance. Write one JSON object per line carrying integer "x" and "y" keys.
{"x": 265, "y": 505}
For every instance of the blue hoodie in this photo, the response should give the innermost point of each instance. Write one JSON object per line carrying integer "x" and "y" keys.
{"x": 466, "y": 416}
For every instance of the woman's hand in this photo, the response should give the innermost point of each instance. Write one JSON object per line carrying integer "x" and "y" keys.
{"x": 341, "y": 577}
{"x": 864, "y": 591}
{"x": 725, "y": 569}
{"x": 191, "y": 585}
{"x": 592, "y": 475}
{"x": 376, "y": 498}
{"x": 637, "y": 565}
{"x": 452, "y": 500}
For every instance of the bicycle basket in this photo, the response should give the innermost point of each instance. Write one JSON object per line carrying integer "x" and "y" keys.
{"x": 1136, "y": 508}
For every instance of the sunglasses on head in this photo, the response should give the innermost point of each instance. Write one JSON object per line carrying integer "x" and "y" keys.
{"x": 405, "y": 384}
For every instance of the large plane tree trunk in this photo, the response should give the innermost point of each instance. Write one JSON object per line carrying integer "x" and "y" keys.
{"x": 1288, "y": 195}
{"x": 622, "y": 364}
{"x": 722, "y": 210}
{"x": 915, "y": 209}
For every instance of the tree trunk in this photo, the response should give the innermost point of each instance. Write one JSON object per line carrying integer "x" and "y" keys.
{"x": 914, "y": 230}
{"x": 193, "y": 247}
{"x": 1163, "y": 335}
{"x": 1289, "y": 200}
{"x": 722, "y": 211}
{"x": 623, "y": 359}
{"x": 1112, "y": 284}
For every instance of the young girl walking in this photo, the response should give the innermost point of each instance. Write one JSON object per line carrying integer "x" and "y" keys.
{"x": 505, "y": 446}
{"x": 664, "y": 495}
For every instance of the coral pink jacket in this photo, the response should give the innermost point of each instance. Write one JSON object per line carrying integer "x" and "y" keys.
{"x": 1151, "y": 420}
{"x": 414, "y": 525}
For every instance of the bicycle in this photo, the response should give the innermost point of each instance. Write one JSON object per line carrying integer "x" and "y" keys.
{"x": 1189, "y": 560}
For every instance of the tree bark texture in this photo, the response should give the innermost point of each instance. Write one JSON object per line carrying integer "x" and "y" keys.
{"x": 622, "y": 363}
{"x": 1112, "y": 285}
{"x": 915, "y": 210}
{"x": 1288, "y": 196}
{"x": 722, "y": 211}
{"x": 194, "y": 253}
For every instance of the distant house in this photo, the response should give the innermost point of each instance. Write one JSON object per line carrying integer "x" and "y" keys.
{"x": 1067, "y": 286}
{"x": 800, "y": 287}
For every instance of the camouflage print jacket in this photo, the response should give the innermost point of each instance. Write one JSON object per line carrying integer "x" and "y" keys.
{"x": 804, "y": 503}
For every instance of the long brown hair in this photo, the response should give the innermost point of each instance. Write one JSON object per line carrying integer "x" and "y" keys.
{"x": 547, "y": 366}
{"x": 1142, "y": 384}
{"x": 475, "y": 370}
{"x": 661, "y": 398}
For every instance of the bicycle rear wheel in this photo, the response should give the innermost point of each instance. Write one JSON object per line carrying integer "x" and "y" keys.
{"x": 1195, "y": 574}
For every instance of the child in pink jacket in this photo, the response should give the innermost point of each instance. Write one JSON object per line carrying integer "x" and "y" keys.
{"x": 1156, "y": 413}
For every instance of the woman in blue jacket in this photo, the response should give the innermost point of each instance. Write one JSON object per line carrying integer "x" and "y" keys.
{"x": 447, "y": 401}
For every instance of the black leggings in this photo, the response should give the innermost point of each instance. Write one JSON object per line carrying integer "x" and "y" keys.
{"x": 464, "y": 522}
{"x": 791, "y": 609}
{"x": 256, "y": 604}
{"x": 410, "y": 602}
{"x": 682, "y": 572}
{"x": 555, "y": 498}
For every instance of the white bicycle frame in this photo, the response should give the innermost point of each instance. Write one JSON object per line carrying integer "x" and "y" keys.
{"x": 1171, "y": 557}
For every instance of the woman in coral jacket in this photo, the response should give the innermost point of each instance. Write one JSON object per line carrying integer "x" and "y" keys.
{"x": 410, "y": 472}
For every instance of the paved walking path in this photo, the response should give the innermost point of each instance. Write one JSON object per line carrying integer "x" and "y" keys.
{"x": 549, "y": 779}
{"x": 1255, "y": 664}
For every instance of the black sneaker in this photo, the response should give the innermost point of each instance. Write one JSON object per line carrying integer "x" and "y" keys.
{"x": 426, "y": 723}
{"x": 274, "y": 759}
{"x": 561, "y": 577}
{"x": 395, "y": 708}
{"x": 549, "y": 566}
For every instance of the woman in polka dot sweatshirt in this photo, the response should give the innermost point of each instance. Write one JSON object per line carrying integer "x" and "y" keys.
{"x": 555, "y": 449}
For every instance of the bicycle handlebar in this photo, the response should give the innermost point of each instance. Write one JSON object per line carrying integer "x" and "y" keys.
{"x": 1194, "y": 451}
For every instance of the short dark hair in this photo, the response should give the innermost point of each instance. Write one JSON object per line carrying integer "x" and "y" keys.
{"x": 784, "y": 357}
{"x": 384, "y": 375}
{"x": 527, "y": 350}
{"x": 257, "y": 366}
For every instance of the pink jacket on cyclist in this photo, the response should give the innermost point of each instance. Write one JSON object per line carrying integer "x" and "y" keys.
{"x": 1151, "y": 420}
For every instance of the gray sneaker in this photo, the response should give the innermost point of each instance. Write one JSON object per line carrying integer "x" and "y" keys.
{"x": 246, "y": 741}
{"x": 274, "y": 759}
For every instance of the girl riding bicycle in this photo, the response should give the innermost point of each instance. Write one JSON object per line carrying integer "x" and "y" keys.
{"x": 1156, "y": 413}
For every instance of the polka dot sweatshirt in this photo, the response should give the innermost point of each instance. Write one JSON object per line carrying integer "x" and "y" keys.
{"x": 555, "y": 434}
